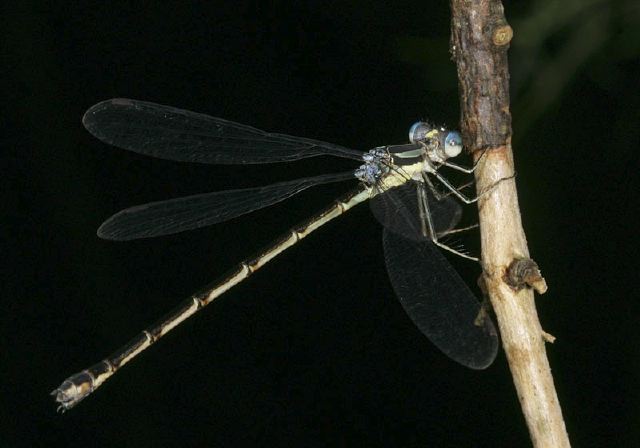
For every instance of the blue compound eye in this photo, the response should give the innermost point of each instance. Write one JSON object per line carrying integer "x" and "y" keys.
{"x": 453, "y": 144}
{"x": 418, "y": 131}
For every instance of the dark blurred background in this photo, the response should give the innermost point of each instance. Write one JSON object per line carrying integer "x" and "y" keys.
{"x": 314, "y": 350}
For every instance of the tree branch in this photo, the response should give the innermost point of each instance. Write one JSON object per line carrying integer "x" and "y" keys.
{"x": 480, "y": 39}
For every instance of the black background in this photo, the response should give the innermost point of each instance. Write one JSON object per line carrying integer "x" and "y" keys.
{"x": 314, "y": 350}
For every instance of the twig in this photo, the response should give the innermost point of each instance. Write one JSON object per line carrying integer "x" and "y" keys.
{"x": 479, "y": 42}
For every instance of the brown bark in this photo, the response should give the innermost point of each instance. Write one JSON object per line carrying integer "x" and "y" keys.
{"x": 480, "y": 39}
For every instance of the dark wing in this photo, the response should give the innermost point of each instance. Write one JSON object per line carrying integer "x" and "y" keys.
{"x": 191, "y": 212}
{"x": 168, "y": 133}
{"x": 439, "y": 302}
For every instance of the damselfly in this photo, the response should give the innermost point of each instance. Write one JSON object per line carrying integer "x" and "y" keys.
{"x": 398, "y": 178}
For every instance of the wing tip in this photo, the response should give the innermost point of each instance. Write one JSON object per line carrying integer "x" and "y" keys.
{"x": 87, "y": 118}
{"x": 482, "y": 364}
{"x": 107, "y": 232}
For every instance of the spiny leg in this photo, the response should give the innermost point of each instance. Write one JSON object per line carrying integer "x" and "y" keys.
{"x": 462, "y": 196}
{"x": 461, "y": 229}
{"x": 426, "y": 215}
{"x": 463, "y": 186}
{"x": 439, "y": 195}
{"x": 465, "y": 169}
{"x": 434, "y": 191}
{"x": 425, "y": 219}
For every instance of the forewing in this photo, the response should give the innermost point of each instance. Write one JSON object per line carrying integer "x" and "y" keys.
{"x": 169, "y": 133}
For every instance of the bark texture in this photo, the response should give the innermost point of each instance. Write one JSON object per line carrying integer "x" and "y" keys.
{"x": 480, "y": 39}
